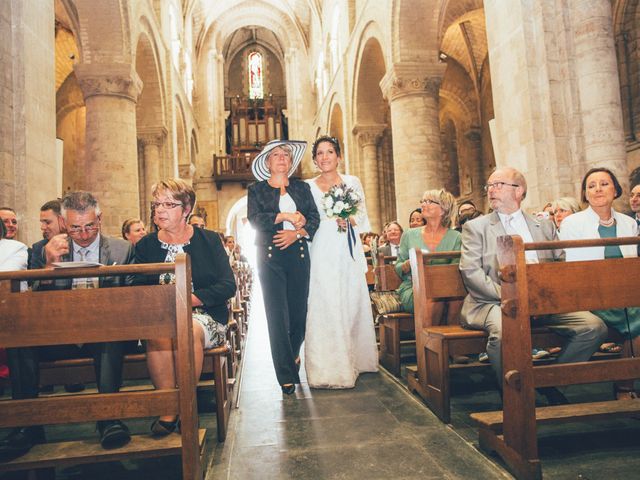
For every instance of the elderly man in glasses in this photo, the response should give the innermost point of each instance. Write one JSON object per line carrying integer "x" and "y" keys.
{"x": 83, "y": 242}
{"x": 506, "y": 189}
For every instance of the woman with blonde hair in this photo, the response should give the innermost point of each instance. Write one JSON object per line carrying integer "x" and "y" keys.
{"x": 133, "y": 230}
{"x": 562, "y": 208}
{"x": 211, "y": 277}
{"x": 438, "y": 209}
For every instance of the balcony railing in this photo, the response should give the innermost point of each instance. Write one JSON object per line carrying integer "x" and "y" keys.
{"x": 232, "y": 168}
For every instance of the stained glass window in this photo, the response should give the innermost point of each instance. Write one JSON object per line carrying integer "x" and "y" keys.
{"x": 255, "y": 75}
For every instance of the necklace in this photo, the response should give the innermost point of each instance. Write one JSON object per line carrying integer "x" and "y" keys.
{"x": 608, "y": 223}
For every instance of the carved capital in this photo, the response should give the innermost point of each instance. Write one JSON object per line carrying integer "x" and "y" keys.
{"x": 412, "y": 79}
{"x": 368, "y": 134}
{"x": 152, "y": 135}
{"x": 112, "y": 79}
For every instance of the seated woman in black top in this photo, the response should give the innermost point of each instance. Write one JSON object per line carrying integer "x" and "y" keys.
{"x": 284, "y": 214}
{"x": 212, "y": 279}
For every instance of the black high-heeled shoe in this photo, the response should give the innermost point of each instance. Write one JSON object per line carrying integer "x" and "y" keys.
{"x": 161, "y": 428}
{"x": 288, "y": 389}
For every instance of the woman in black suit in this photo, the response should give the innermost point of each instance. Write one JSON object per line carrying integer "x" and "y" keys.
{"x": 285, "y": 217}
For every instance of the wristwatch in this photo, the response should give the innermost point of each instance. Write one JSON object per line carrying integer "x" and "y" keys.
{"x": 298, "y": 235}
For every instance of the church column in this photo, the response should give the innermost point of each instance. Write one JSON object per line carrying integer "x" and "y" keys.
{"x": 598, "y": 85}
{"x": 110, "y": 92}
{"x": 152, "y": 139}
{"x": 368, "y": 138}
{"x": 413, "y": 94}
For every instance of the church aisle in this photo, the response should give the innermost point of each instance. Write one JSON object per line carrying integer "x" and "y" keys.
{"x": 374, "y": 431}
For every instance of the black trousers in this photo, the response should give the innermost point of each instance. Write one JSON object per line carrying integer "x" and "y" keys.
{"x": 25, "y": 371}
{"x": 284, "y": 277}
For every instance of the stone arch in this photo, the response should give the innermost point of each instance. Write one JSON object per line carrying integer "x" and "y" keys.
{"x": 70, "y": 104}
{"x": 372, "y": 130}
{"x": 626, "y": 20}
{"x": 263, "y": 15}
{"x": 183, "y": 160}
{"x": 414, "y": 30}
{"x": 453, "y": 9}
{"x": 104, "y": 28}
{"x": 150, "y": 115}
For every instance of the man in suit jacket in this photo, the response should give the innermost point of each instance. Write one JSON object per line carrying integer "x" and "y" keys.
{"x": 83, "y": 241}
{"x": 50, "y": 226}
{"x": 506, "y": 188}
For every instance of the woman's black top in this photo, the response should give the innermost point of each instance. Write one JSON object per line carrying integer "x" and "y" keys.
{"x": 263, "y": 205}
{"x": 211, "y": 274}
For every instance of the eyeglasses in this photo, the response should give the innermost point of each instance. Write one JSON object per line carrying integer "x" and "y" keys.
{"x": 88, "y": 228}
{"x": 428, "y": 201}
{"x": 498, "y": 185}
{"x": 165, "y": 205}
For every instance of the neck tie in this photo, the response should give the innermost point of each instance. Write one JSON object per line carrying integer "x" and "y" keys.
{"x": 508, "y": 225}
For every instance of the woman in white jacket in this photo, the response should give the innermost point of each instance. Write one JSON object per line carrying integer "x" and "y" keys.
{"x": 600, "y": 188}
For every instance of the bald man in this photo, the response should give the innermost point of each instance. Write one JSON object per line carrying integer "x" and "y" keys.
{"x": 506, "y": 189}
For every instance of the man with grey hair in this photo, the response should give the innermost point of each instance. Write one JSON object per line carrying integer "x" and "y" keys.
{"x": 506, "y": 188}
{"x": 83, "y": 242}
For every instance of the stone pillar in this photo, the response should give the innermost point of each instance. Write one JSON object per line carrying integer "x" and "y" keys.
{"x": 598, "y": 85}
{"x": 368, "y": 138}
{"x": 29, "y": 167}
{"x": 413, "y": 93}
{"x": 110, "y": 92}
{"x": 152, "y": 139}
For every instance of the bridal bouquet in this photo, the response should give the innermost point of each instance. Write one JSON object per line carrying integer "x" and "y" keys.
{"x": 341, "y": 201}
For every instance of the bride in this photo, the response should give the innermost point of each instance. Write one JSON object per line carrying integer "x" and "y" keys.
{"x": 340, "y": 341}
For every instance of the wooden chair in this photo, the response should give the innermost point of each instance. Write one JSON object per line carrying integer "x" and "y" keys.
{"x": 99, "y": 315}
{"x": 438, "y": 295}
{"x": 390, "y": 325}
{"x": 540, "y": 289}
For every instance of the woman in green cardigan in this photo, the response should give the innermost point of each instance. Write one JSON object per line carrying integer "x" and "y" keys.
{"x": 438, "y": 209}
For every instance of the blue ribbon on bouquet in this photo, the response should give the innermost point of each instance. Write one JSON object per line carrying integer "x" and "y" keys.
{"x": 351, "y": 238}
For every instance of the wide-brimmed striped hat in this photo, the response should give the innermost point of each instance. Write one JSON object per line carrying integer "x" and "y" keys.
{"x": 259, "y": 165}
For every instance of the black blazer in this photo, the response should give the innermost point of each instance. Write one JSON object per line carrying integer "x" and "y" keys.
{"x": 213, "y": 280}
{"x": 263, "y": 206}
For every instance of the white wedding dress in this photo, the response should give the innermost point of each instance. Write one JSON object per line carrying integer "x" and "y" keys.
{"x": 340, "y": 340}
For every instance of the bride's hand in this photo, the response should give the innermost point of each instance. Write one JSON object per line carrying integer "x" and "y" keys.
{"x": 342, "y": 223}
{"x": 299, "y": 220}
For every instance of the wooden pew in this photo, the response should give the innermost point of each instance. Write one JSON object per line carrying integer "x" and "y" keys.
{"x": 107, "y": 314}
{"x": 390, "y": 325}
{"x": 438, "y": 294}
{"x": 540, "y": 289}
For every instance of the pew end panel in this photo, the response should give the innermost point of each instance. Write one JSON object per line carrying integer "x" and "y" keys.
{"x": 103, "y": 315}
{"x": 544, "y": 289}
{"x": 391, "y": 325}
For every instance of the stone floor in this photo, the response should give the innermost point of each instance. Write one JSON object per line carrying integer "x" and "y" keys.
{"x": 375, "y": 431}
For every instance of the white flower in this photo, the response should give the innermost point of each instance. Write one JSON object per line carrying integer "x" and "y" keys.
{"x": 329, "y": 212}
{"x": 328, "y": 202}
{"x": 338, "y": 207}
{"x": 338, "y": 192}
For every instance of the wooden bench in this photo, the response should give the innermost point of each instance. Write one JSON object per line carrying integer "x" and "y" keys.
{"x": 438, "y": 294}
{"x": 107, "y": 314}
{"x": 546, "y": 288}
{"x": 390, "y": 325}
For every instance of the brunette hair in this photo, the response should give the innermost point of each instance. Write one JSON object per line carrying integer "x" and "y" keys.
{"x": 326, "y": 138}
{"x": 615, "y": 181}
